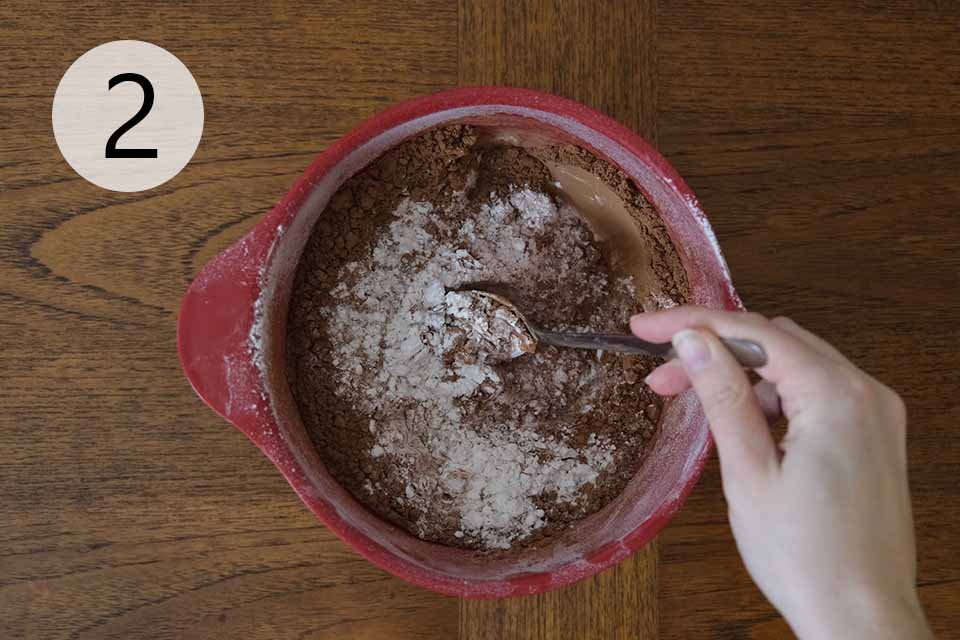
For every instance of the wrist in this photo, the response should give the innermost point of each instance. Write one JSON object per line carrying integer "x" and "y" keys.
{"x": 877, "y": 617}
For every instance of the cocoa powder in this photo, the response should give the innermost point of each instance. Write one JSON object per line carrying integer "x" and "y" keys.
{"x": 440, "y": 167}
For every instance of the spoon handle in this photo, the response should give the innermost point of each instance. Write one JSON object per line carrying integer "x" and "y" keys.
{"x": 748, "y": 353}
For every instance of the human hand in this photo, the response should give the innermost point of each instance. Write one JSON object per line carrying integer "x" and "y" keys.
{"x": 822, "y": 519}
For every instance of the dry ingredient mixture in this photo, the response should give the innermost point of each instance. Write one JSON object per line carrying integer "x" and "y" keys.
{"x": 427, "y": 404}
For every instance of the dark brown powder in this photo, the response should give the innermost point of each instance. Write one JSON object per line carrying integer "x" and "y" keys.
{"x": 432, "y": 168}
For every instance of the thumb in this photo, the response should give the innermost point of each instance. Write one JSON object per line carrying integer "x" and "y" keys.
{"x": 746, "y": 448}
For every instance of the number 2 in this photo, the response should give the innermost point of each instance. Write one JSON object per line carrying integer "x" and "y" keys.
{"x": 111, "y": 150}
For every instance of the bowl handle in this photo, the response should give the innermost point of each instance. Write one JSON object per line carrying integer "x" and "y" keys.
{"x": 214, "y": 333}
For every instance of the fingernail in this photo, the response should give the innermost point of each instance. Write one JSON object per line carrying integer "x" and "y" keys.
{"x": 692, "y": 349}
{"x": 646, "y": 380}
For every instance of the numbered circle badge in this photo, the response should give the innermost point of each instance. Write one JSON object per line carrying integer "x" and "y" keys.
{"x": 127, "y": 115}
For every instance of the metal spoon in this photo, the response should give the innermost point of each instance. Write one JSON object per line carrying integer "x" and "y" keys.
{"x": 748, "y": 353}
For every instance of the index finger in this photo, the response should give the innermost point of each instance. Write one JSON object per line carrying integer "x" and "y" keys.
{"x": 786, "y": 352}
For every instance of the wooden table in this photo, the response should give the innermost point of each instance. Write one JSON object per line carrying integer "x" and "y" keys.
{"x": 823, "y": 139}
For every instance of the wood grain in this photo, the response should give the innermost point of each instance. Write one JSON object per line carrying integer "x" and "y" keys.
{"x": 127, "y": 508}
{"x": 552, "y": 46}
{"x": 602, "y": 54}
{"x": 822, "y": 138}
{"x": 823, "y": 141}
{"x": 618, "y": 604}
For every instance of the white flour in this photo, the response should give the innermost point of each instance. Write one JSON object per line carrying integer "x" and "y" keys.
{"x": 412, "y": 354}
{"x": 488, "y": 326}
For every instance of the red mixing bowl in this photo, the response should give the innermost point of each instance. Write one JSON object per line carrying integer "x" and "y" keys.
{"x": 231, "y": 335}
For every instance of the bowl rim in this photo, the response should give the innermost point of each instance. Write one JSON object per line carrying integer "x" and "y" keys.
{"x": 218, "y": 313}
